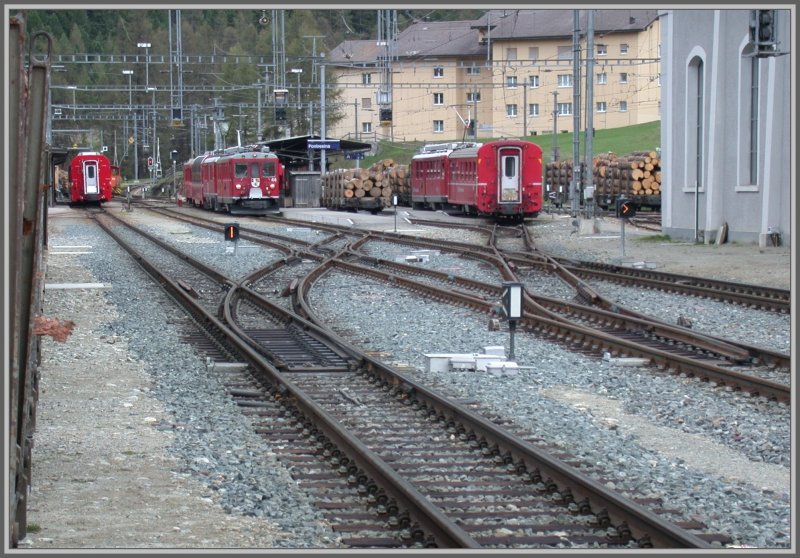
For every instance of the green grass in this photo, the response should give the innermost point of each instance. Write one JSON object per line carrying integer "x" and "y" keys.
{"x": 654, "y": 238}
{"x": 33, "y": 528}
{"x": 621, "y": 141}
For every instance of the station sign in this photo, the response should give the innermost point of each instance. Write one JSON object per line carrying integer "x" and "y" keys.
{"x": 354, "y": 155}
{"x": 323, "y": 144}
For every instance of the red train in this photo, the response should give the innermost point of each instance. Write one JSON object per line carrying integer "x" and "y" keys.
{"x": 89, "y": 178}
{"x": 236, "y": 180}
{"x": 501, "y": 179}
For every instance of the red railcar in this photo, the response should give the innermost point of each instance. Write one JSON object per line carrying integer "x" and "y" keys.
{"x": 236, "y": 180}
{"x": 502, "y": 178}
{"x": 90, "y": 179}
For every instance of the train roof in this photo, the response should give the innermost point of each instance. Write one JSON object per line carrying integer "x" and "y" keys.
{"x": 433, "y": 150}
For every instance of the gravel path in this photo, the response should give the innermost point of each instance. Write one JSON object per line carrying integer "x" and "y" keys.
{"x": 125, "y": 394}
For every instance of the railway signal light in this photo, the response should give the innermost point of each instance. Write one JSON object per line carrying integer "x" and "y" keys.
{"x": 625, "y": 209}
{"x": 232, "y": 231}
{"x": 512, "y": 308}
{"x": 763, "y": 31}
{"x": 512, "y": 300}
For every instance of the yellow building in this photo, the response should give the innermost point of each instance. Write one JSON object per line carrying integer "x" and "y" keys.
{"x": 508, "y": 74}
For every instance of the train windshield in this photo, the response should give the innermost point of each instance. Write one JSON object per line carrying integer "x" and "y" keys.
{"x": 269, "y": 169}
{"x": 240, "y": 170}
{"x": 254, "y": 170}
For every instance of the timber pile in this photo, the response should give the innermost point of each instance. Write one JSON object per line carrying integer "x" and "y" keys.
{"x": 559, "y": 175}
{"x": 636, "y": 174}
{"x": 369, "y": 188}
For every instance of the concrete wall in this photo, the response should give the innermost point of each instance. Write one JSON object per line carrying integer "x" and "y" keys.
{"x": 707, "y": 91}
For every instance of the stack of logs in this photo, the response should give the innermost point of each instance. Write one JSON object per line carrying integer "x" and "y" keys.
{"x": 636, "y": 174}
{"x": 369, "y": 188}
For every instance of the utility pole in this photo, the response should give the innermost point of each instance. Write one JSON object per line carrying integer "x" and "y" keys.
{"x": 524, "y": 109}
{"x": 555, "y": 125}
{"x": 576, "y": 116}
{"x": 322, "y": 131}
{"x": 589, "y": 202}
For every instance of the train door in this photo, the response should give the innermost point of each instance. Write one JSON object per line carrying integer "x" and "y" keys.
{"x": 90, "y": 181}
{"x": 510, "y": 175}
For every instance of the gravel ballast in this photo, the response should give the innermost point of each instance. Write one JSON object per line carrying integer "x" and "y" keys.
{"x": 721, "y": 457}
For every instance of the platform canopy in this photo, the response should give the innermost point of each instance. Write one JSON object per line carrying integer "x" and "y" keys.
{"x": 295, "y": 153}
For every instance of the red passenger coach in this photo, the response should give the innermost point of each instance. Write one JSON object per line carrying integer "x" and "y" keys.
{"x": 501, "y": 179}
{"x": 90, "y": 179}
{"x": 236, "y": 180}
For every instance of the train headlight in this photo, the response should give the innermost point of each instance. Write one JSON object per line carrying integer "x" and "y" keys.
{"x": 238, "y": 186}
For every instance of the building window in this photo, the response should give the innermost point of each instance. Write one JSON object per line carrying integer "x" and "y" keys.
{"x": 438, "y": 98}
{"x": 695, "y": 100}
{"x": 366, "y": 102}
{"x": 438, "y": 126}
{"x": 658, "y": 79}
{"x": 366, "y": 79}
{"x": 623, "y": 77}
{"x": 564, "y": 109}
{"x": 533, "y": 109}
{"x": 565, "y": 80}
{"x": 511, "y": 82}
{"x": 474, "y": 97}
{"x": 533, "y": 53}
{"x": 601, "y": 106}
{"x": 623, "y": 106}
{"x": 533, "y": 81}
{"x": 473, "y": 71}
{"x": 564, "y": 52}
{"x": 602, "y": 50}
{"x": 366, "y": 127}
{"x": 602, "y": 78}
{"x": 438, "y": 72}
{"x": 511, "y": 110}
{"x": 623, "y": 48}
{"x": 511, "y": 54}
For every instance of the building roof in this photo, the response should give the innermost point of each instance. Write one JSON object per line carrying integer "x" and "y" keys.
{"x": 542, "y": 24}
{"x": 461, "y": 38}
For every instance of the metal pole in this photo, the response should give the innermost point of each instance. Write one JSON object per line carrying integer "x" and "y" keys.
{"x": 524, "y": 109}
{"x": 622, "y": 236}
{"x": 555, "y": 125}
{"x": 576, "y": 115}
{"x": 512, "y": 326}
{"x": 155, "y": 148}
{"x": 322, "y": 131}
{"x": 589, "y": 109}
{"x": 135, "y": 148}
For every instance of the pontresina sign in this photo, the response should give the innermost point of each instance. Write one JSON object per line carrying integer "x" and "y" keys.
{"x": 323, "y": 144}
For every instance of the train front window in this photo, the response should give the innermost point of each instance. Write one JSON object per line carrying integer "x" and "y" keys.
{"x": 240, "y": 170}
{"x": 268, "y": 169}
{"x": 254, "y": 170}
{"x": 90, "y": 172}
{"x": 510, "y": 167}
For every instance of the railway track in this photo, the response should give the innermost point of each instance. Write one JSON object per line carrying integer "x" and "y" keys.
{"x": 597, "y": 325}
{"x": 417, "y": 512}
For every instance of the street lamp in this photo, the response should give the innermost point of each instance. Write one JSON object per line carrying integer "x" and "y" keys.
{"x": 129, "y": 73}
{"x": 74, "y": 108}
{"x": 297, "y": 71}
{"x": 146, "y": 47}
